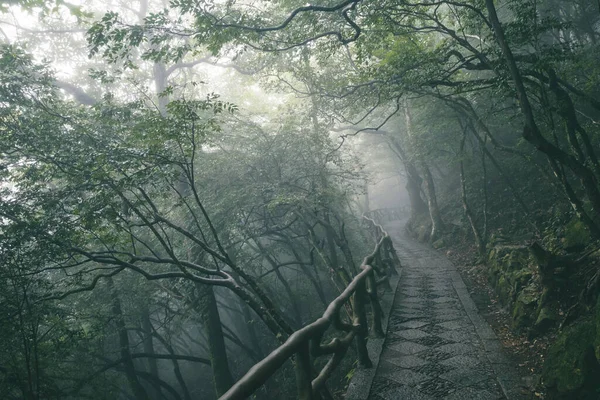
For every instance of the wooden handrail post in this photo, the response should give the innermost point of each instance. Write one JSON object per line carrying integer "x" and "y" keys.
{"x": 378, "y": 264}
{"x": 360, "y": 323}
{"x": 393, "y": 255}
{"x": 376, "y": 327}
{"x": 389, "y": 259}
{"x": 303, "y": 373}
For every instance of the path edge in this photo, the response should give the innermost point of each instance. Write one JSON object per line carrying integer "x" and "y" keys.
{"x": 359, "y": 386}
{"x": 506, "y": 375}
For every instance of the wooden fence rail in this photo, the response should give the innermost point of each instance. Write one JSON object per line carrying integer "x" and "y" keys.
{"x": 307, "y": 342}
{"x": 382, "y": 215}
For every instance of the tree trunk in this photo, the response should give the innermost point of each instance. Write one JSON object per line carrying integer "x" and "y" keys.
{"x": 176, "y": 370}
{"x": 413, "y": 187}
{"x": 366, "y": 203}
{"x": 149, "y": 347}
{"x": 484, "y": 228}
{"x": 288, "y": 289}
{"x": 252, "y": 334}
{"x": 341, "y": 242}
{"x": 136, "y": 387}
{"x": 222, "y": 377}
{"x": 437, "y": 225}
{"x": 413, "y": 180}
{"x": 479, "y": 238}
{"x": 314, "y": 279}
{"x": 576, "y": 203}
{"x": 531, "y": 133}
{"x": 335, "y": 265}
{"x": 160, "y": 84}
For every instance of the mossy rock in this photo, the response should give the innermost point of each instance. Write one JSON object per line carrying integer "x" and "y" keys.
{"x": 547, "y": 313}
{"x": 518, "y": 259}
{"x": 503, "y": 289}
{"x": 576, "y": 235}
{"x": 509, "y": 272}
{"x": 571, "y": 369}
{"x": 438, "y": 244}
{"x": 521, "y": 278}
{"x": 528, "y": 296}
{"x": 524, "y": 309}
{"x": 495, "y": 256}
{"x": 509, "y": 258}
{"x": 547, "y": 318}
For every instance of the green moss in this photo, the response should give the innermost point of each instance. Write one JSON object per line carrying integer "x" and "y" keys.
{"x": 576, "y": 234}
{"x": 547, "y": 317}
{"x": 518, "y": 259}
{"x": 520, "y": 278}
{"x": 503, "y": 288}
{"x": 571, "y": 368}
{"x": 524, "y": 309}
{"x": 547, "y": 312}
{"x": 510, "y": 273}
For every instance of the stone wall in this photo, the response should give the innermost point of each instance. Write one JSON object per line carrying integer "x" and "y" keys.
{"x": 571, "y": 369}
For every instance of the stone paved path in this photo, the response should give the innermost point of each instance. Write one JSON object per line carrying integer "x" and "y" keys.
{"x": 437, "y": 346}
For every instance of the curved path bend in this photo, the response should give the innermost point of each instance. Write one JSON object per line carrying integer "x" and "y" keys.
{"x": 437, "y": 345}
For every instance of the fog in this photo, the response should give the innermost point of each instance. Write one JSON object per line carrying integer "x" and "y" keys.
{"x": 193, "y": 194}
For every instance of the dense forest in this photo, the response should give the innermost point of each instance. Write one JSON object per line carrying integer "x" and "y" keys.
{"x": 183, "y": 182}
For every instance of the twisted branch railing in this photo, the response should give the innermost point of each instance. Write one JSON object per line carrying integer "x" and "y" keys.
{"x": 388, "y": 214}
{"x": 306, "y": 342}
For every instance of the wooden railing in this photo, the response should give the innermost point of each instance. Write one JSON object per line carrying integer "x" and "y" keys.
{"x": 388, "y": 214}
{"x": 306, "y": 342}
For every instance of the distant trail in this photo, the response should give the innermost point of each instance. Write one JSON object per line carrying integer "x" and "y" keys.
{"x": 437, "y": 345}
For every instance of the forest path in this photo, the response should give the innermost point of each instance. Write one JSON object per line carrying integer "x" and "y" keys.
{"x": 437, "y": 345}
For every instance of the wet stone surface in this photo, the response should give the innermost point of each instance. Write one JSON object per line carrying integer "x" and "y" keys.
{"x": 432, "y": 348}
